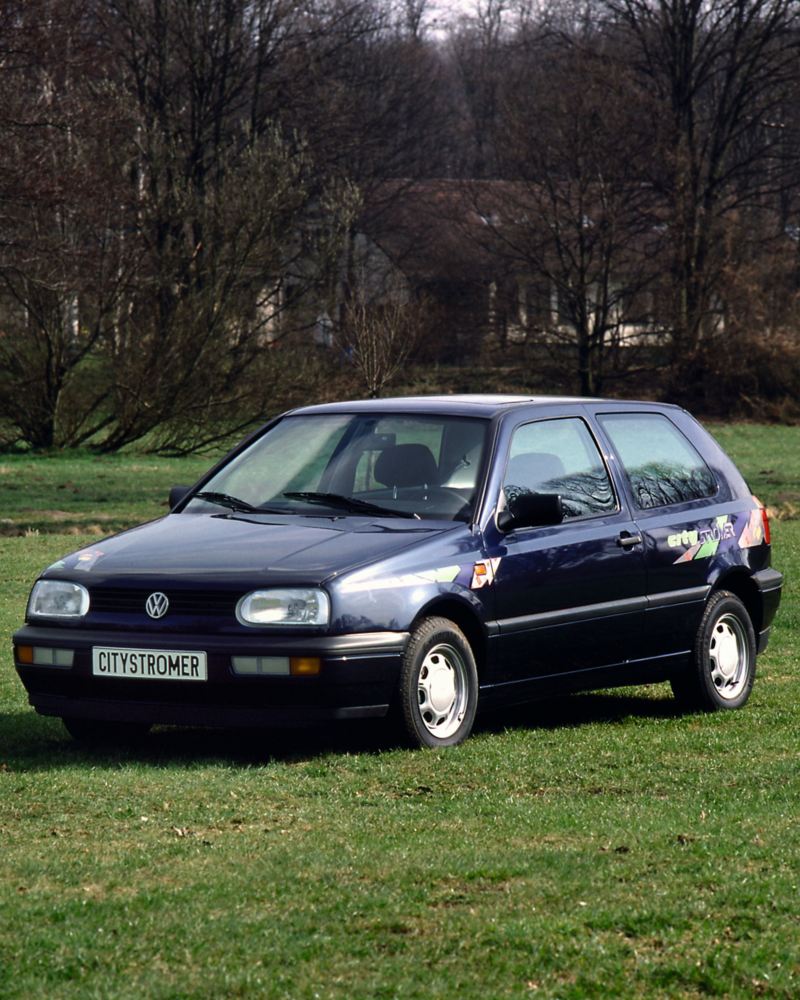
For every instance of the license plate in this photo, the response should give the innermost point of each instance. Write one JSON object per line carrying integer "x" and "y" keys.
{"x": 149, "y": 664}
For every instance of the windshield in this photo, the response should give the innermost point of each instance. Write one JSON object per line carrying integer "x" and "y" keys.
{"x": 366, "y": 465}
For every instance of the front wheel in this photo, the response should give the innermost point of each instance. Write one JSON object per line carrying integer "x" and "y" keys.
{"x": 438, "y": 693}
{"x": 723, "y": 664}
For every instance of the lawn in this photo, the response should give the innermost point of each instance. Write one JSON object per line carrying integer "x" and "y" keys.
{"x": 81, "y": 493}
{"x": 594, "y": 846}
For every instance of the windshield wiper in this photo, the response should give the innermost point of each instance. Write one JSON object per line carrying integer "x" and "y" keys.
{"x": 351, "y": 504}
{"x": 226, "y": 500}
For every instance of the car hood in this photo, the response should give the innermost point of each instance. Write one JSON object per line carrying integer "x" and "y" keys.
{"x": 226, "y": 549}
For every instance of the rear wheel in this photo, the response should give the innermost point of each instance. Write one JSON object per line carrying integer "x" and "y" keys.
{"x": 723, "y": 664}
{"x": 438, "y": 693}
{"x": 101, "y": 733}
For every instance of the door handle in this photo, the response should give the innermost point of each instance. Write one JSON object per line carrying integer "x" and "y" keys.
{"x": 627, "y": 541}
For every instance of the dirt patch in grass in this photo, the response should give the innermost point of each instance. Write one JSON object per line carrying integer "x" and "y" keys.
{"x": 786, "y": 507}
{"x": 62, "y": 522}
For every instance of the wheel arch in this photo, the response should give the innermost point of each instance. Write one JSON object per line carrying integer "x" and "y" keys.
{"x": 462, "y": 615}
{"x": 741, "y": 584}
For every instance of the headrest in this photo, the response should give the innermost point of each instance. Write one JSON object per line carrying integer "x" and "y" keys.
{"x": 406, "y": 465}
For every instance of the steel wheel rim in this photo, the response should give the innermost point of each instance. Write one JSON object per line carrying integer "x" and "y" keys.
{"x": 443, "y": 690}
{"x": 729, "y": 657}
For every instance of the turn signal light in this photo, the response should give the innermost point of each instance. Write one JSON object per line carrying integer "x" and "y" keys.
{"x": 304, "y": 666}
{"x": 45, "y": 656}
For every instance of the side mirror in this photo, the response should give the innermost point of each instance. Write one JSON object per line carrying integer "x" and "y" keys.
{"x": 176, "y": 494}
{"x": 531, "y": 510}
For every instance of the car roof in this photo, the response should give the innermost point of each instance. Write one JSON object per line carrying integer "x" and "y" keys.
{"x": 464, "y": 404}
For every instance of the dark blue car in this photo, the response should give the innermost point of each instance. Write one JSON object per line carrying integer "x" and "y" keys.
{"x": 416, "y": 557}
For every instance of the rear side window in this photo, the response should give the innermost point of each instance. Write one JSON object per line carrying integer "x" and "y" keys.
{"x": 661, "y": 464}
{"x": 559, "y": 456}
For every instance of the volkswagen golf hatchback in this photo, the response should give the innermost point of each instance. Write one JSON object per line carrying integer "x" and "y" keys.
{"x": 415, "y": 557}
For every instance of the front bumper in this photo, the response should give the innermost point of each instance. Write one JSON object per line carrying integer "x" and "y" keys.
{"x": 358, "y": 677}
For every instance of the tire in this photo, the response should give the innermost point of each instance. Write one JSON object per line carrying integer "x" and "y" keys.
{"x": 96, "y": 732}
{"x": 438, "y": 693}
{"x": 723, "y": 665}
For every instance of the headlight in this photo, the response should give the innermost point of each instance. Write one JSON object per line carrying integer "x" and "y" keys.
{"x": 58, "y": 599}
{"x": 284, "y": 607}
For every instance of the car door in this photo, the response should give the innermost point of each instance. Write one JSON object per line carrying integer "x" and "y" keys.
{"x": 568, "y": 597}
{"x": 684, "y": 514}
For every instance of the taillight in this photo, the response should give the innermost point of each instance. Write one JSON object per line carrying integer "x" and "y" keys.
{"x": 764, "y": 520}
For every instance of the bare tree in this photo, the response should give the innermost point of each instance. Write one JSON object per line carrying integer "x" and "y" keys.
{"x": 176, "y": 200}
{"x": 61, "y": 269}
{"x": 479, "y": 49}
{"x": 573, "y": 227}
{"x": 718, "y": 71}
{"x": 377, "y": 337}
{"x": 412, "y": 16}
{"x": 233, "y": 215}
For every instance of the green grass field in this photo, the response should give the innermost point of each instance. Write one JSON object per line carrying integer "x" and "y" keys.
{"x": 80, "y": 493}
{"x": 595, "y": 846}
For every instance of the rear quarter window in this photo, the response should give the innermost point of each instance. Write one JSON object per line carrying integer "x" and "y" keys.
{"x": 663, "y": 467}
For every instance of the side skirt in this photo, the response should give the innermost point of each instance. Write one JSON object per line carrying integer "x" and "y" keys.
{"x": 650, "y": 671}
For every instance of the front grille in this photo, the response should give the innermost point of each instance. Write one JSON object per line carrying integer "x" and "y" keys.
{"x": 118, "y": 600}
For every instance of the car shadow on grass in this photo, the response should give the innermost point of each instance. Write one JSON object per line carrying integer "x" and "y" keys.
{"x": 574, "y": 710}
{"x": 29, "y": 742}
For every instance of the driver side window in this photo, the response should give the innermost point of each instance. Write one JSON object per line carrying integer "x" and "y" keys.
{"x": 559, "y": 456}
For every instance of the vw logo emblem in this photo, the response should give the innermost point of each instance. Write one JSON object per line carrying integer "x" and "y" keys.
{"x": 156, "y": 605}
